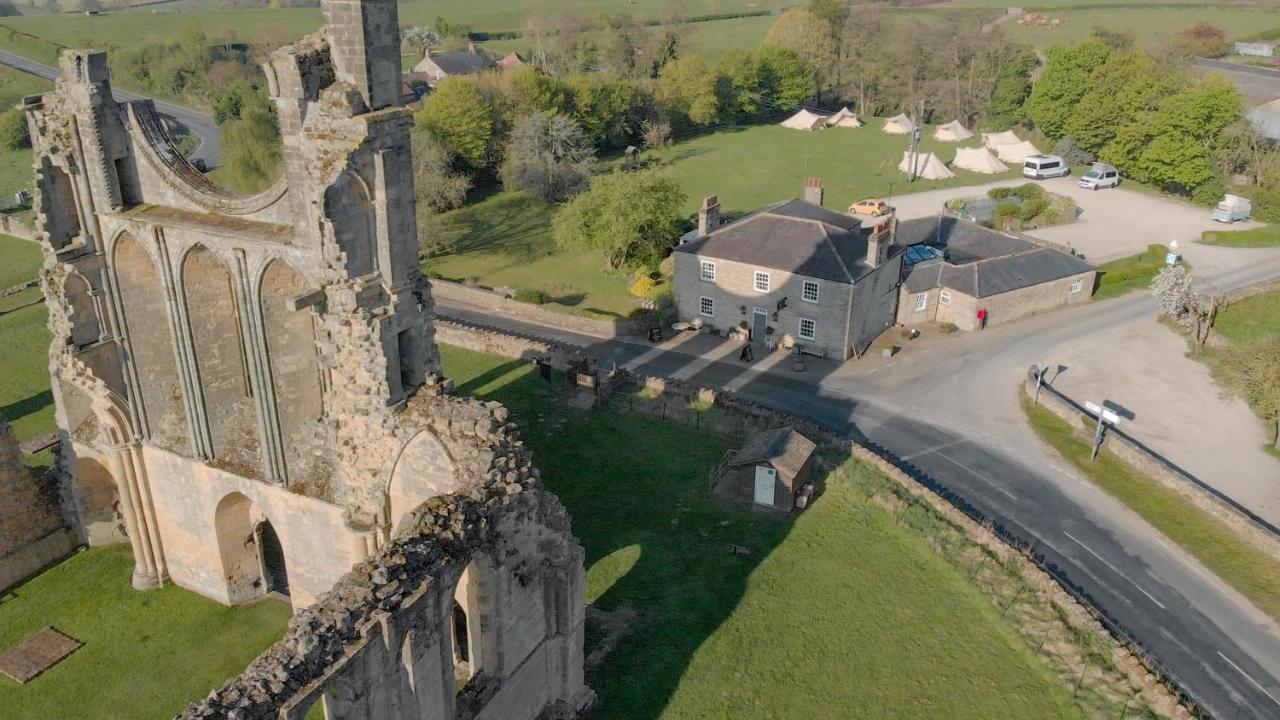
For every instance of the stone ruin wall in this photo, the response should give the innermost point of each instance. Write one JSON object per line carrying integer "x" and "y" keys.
{"x": 379, "y": 645}
{"x": 32, "y": 531}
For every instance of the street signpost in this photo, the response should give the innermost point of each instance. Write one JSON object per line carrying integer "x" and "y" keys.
{"x": 1105, "y": 416}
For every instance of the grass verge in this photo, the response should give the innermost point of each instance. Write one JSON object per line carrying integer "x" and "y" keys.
{"x": 145, "y": 654}
{"x": 1248, "y": 569}
{"x": 1265, "y": 236}
{"x": 1121, "y": 276}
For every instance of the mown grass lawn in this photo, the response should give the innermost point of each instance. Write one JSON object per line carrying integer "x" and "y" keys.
{"x": 1250, "y": 319}
{"x": 145, "y": 654}
{"x": 1265, "y": 236}
{"x": 1119, "y": 277}
{"x": 24, "y": 353}
{"x": 837, "y": 613}
{"x": 1230, "y": 556}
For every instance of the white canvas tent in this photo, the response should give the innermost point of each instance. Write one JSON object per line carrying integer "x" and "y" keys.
{"x": 1016, "y": 153}
{"x": 899, "y": 125}
{"x": 978, "y": 160}
{"x": 994, "y": 140}
{"x": 952, "y": 132}
{"x": 804, "y": 120}
{"x": 928, "y": 166}
{"x": 844, "y": 118}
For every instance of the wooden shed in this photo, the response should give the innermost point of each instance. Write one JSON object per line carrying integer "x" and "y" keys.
{"x": 773, "y": 467}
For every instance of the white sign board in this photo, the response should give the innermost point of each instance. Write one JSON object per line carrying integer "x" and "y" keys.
{"x": 1091, "y": 407}
{"x": 1110, "y": 417}
{"x": 766, "y": 477}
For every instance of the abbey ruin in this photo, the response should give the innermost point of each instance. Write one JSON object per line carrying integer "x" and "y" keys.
{"x": 248, "y": 392}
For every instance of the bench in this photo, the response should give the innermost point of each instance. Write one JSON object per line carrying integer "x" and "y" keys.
{"x": 818, "y": 351}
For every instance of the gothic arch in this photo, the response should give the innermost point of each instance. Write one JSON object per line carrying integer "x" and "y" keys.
{"x": 222, "y": 369}
{"x": 424, "y": 469}
{"x": 86, "y": 329}
{"x": 239, "y": 526}
{"x": 294, "y": 367}
{"x": 146, "y": 325}
{"x": 348, "y": 205}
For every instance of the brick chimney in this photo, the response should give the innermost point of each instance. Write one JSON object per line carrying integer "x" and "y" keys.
{"x": 813, "y": 191}
{"x": 708, "y": 215}
{"x": 880, "y": 238}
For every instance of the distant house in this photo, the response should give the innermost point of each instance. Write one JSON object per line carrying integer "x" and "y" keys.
{"x": 413, "y": 87}
{"x": 511, "y": 61}
{"x": 438, "y": 67}
{"x": 794, "y": 273}
{"x": 772, "y": 468}
{"x": 1257, "y": 48}
{"x": 953, "y": 269}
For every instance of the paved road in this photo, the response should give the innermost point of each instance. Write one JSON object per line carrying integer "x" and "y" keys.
{"x": 954, "y": 414}
{"x": 210, "y": 148}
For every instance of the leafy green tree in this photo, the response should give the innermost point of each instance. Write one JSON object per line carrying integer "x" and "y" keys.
{"x": 533, "y": 90}
{"x": 632, "y": 218}
{"x": 437, "y": 185}
{"x": 743, "y": 87}
{"x": 1064, "y": 81}
{"x": 1120, "y": 91}
{"x": 687, "y": 89}
{"x": 612, "y": 112}
{"x": 14, "y": 134}
{"x": 1012, "y": 85}
{"x": 810, "y": 37}
{"x": 549, "y": 157}
{"x": 1184, "y": 134}
{"x": 461, "y": 118}
{"x": 251, "y": 146}
{"x": 784, "y": 76}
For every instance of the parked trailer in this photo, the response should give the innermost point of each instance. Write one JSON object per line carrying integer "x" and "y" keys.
{"x": 1232, "y": 208}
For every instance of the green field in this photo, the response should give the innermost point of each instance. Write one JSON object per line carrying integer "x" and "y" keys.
{"x": 1223, "y": 551}
{"x": 24, "y": 372}
{"x": 145, "y": 654}
{"x": 1265, "y": 236}
{"x": 1149, "y": 25}
{"x": 1125, "y": 275}
{"x": 15, "y": 165}
{"x": 1250, "y": 319}
{"x": 840, "y": 608}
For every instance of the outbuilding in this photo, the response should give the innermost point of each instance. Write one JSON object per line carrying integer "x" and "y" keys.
{"x": 773, "y": 467}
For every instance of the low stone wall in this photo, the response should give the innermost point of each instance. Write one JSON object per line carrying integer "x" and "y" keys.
{"x": 36, "y": 556}
{"x": 32, "y": 531}
{"x": 482, "y": 299}
{"x": 10, "y": 225}
{"x": 1193, "y": 490}
{"x": 471, "y": 336}
{"x": 1249, "y": 291}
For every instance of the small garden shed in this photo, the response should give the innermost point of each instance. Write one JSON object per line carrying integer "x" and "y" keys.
{"x": 773, "y": 467}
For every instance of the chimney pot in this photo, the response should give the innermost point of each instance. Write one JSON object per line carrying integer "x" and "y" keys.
{"x": 813, "y": 190}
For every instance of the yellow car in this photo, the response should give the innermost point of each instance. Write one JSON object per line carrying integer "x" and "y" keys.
{"x": 869, "y": 207}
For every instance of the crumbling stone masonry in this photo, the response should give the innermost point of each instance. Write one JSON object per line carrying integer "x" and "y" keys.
{"x": 32, "y": 532}
{"x": 248, "y": 393}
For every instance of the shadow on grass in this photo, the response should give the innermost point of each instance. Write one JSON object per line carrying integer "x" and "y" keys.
{"x": 27, "y": 406}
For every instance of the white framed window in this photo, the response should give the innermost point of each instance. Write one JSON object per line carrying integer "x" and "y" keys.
{"x": 810, "y": 292}
{"x": 808, "y": 329}
{"x": 707, "y": 306}
{"x": 922, "y": 301}
{"x": 761, "y": 281}
{"x": 708, "y": 271}
{"x": 1077, "y": 285}
{"x": 944, "y": 298}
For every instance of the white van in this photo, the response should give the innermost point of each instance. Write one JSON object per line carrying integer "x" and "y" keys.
{"x": 1039, "y": 167}
{"x": 1099, "y": 177}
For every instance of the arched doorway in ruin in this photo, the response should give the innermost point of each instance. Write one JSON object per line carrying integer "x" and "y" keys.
{"x": 275, "y": 575}
{"x": 424, "y": 470}
{"x": 252, "y": 554}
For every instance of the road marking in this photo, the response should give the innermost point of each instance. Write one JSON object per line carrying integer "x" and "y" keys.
{"x": 1114, "y": 569}
{"x": 935, "y": 448}
{"x": 1246, "y": 677}
{"x": 969, "y": 470}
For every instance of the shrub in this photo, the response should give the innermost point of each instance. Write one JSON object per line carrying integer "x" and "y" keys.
{"x": 1071, "y": 153}
{"x": 643, "y": 287}
{"x": 1005, "y": 212}
{"x": 1032, "y": 209}
{"x": 1209, "y": 193}
{"x": 667, "y": 268}
{"x": 1062, "y": 209}
{"x": 532, "y": 296}
{"x": 13, "y": 130}
{"x": 1030, "y": 191}
{"x": 1000, "y": 193}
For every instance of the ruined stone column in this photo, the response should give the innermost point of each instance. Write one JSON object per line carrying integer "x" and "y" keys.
{"x": 145, "y": 576}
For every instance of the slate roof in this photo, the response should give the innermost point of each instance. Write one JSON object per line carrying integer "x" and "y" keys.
{"x": 981, "y": 262}
{"x": 461, "y": 63}
{"x": 795, "y": 237}
{"x": 783, "y": 448}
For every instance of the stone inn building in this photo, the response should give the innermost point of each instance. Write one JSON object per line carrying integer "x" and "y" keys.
{"x": 956, "y": 271}
{"x": 796, "y": 273}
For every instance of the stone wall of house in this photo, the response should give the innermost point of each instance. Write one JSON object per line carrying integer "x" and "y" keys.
{"x": 962, "y": 309}
{"x": 32, "y": 531}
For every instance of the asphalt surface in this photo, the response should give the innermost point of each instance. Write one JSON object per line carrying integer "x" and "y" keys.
{"x": 210, "y": 135}
{"x": 953, "y": 415}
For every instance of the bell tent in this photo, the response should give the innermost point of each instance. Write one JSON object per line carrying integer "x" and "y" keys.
{"x": 978, "y": 160}
{"x": 805, "y": 120}
{"x": 994, "y": 140}
{"x": 952, "y": 132}
{"x": 1016, "y": 153}
{"x": 844, "y": 118}
{"x": 928, "y": 166}
{"x": 899, "y": 125}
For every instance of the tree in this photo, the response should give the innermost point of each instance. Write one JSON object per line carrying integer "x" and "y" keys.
{"x": 14, "y": 134}
{"x": 1201, "y": 40}
{"x": 810, "y": 37}
{"x": 633, "y": 218}
{"x": 462, "y": 120}
{"x": 549, "y": 157}
{"x": 863, "y": 68}
{"x": 420, "y": 38}
{"x": 1012, "y": 85}
{"x": 1180, "y": 301}
{"x": 1064, "y": 81}
{"x": 437, "y": 185}
{"x": 1251, "y": 370}
{"x": 784, "y": 76}
{"x": 251, "y": 146}
{"x": 1120, "y": 91}
{"x": 611, "y": 112}
{"x": 532, "y": 90}
{"x": 1184, "y": 135}
{"x": 687, "y": 89}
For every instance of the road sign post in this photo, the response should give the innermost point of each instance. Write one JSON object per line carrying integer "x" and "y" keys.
{"x": 1105, "y": 416}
